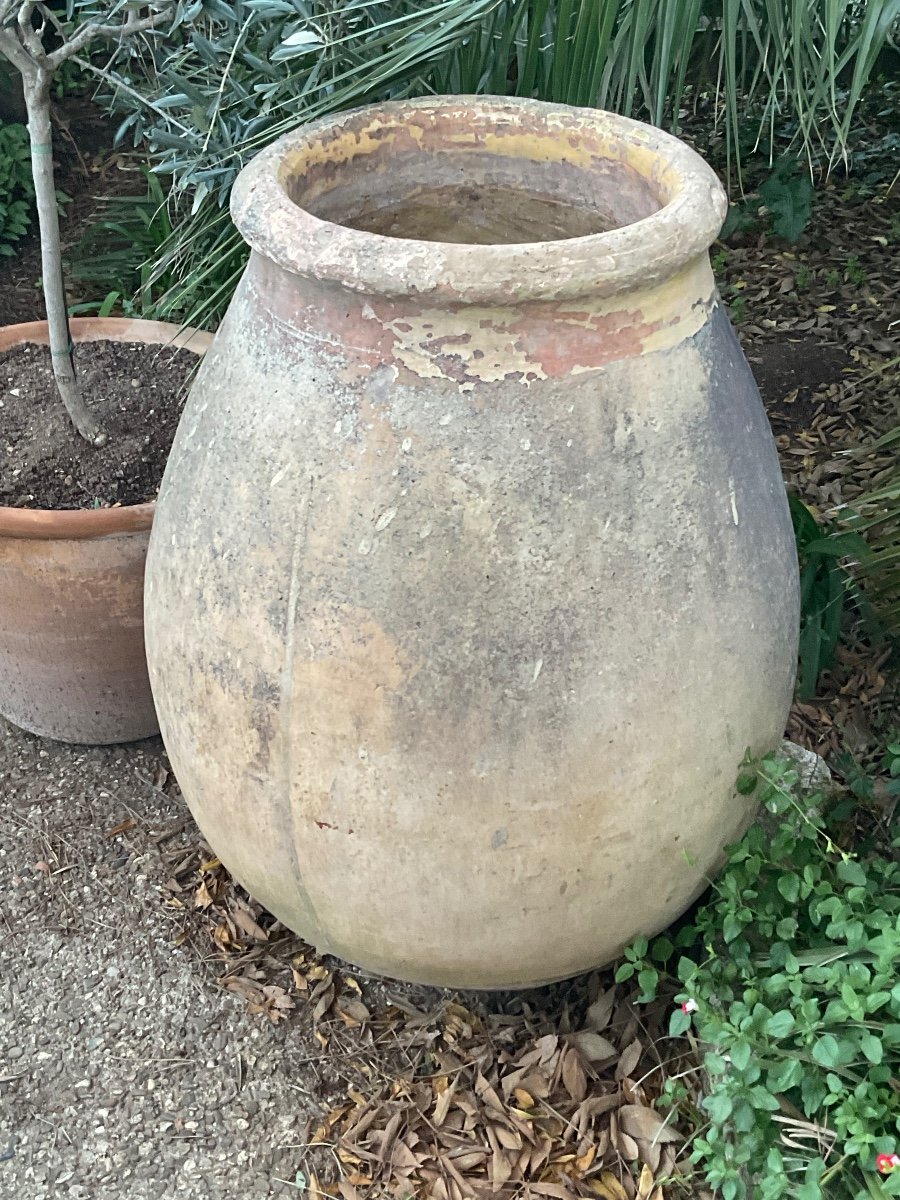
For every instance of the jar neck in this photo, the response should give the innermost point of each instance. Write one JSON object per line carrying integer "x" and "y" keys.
{"x": 477, "y": 344}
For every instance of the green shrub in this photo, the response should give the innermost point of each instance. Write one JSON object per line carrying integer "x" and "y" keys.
{"x": 825, "y": 588}
{"x": 234, "y": 76}
{"x": 16, "y": 186}
{"x": 788, "y": 982}
{"x": 118, "y": 251}
{"x": 876, "y": 516}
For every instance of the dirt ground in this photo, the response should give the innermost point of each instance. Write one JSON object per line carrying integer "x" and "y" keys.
{"x": 125, "y": 1071}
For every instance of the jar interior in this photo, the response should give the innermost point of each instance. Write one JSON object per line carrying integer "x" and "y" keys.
{"x": 431, "y": 179}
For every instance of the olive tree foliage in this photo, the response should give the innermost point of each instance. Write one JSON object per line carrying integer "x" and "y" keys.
{"x": 236, "y": 75}
{"x": 37, "y": 41}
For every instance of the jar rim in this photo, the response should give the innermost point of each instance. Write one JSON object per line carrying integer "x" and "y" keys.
{"x": 629, "y": 257}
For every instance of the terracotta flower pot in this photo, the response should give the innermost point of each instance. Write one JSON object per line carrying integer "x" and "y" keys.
{"x": 472, "y": 577}
{"x": 72, "y": 663}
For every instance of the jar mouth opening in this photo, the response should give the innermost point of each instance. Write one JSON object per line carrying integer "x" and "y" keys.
{"x": 467, "y": 197}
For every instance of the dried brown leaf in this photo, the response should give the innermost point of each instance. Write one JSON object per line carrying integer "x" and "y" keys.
{"x": 597, "y": 1016}
{"x": 627, "y": 1147}
{"x": 243, "y": 919}
{"x": 593, "y": 1106}
{"x": 631, "y": 1056}
{"x": 645, "y": 1183}
{"x": 647, "y": 1124}
{"x": 403, "y": 1158}
{"x": 573, "y": 1076}
{"x": 389, "y": 1135}
{"x": 584, "y": 1161}
{"x": 558, "y": 1190}
{"x": 487, "y": 1094}
{"x": 122, "y": 827}
{"x": 607, "y": 1187}
{"x": 466, "y": 1159}
{"x": 508, "y": 1138}
{"x": 594, "y": 1046}
{"x": 546, "y": 1047}
{"x": 244, "y": 987}
{"x": 324, "y": 1001}
{"x": 443, "y": 1102}
{"x": 352, "y": 1011}
{"x": 501, "y": 1169}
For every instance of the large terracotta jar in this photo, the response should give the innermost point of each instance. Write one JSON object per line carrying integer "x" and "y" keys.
{"x": 472, "y": 577}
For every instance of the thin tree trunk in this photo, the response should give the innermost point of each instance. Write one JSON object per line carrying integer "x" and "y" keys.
{"x": 37, "y": 103}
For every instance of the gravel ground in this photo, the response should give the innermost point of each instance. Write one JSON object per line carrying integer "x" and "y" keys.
{"x": 125, "y": 1071}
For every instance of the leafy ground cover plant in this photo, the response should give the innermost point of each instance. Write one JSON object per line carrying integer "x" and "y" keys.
{"x": 786, "y": 193}
{"x": 787, "y": 986}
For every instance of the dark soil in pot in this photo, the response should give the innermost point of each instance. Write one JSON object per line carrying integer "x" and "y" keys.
{"x": 136, "y": 389}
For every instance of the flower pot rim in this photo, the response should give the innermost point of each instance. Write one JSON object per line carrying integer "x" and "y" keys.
{"x": 56, "y": 524}
{"x": 629, "y": 257}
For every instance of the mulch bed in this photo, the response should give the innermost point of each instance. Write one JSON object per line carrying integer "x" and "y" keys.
{"x": 827, "y": 358}
{"x": 448, "y": 1095}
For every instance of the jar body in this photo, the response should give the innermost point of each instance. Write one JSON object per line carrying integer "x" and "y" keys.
{"x": 461, "y": 618}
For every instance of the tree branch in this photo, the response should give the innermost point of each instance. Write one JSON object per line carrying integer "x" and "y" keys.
{"x": 29, "y": 37}
{"x": 37, "y": 101}
{"x": 133, "y": 25}
{"x": 12, "y": 49}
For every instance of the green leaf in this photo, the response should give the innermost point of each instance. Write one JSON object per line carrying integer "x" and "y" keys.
{"x": 788, "y": 198}
{"x": 719, "y": 1107}
{"x": 812, "y": 1091}
{"x": 785, "y": 1075}
{"x": 625, "y": 972}
{"x": 851, "y": 872}
{"x": 648, "y": 980}
{"x": 740, "y": 1054}
{"x": 732, "y": 927}
{"x": 762, "y": 1099}
{"x": 789, "y": 887}
{"x": 746, "y": 783}
{"x": 780, "y": 1024}
{"x": 871, "y": 1047}
{"x": 638, "y": 948}
{"x": 679, "y": 1022}
{"x": 662, "y": 950}
{"x": 715, "y": 1063}
{"x": 687, "y": 968}
{"x": 826, "y": 1051}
